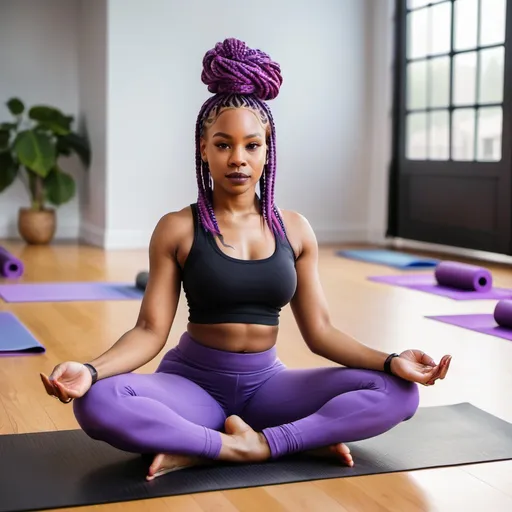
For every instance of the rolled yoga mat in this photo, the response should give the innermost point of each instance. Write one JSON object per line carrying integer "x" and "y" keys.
{"x": 461, "y": 276}
{"x": 64, "y": 292}
{"x": 141, "y": 281}
{"x": 450, "y": 279}
{"x": 394, "y": 259}
{"x": 16, "y": 339}
{"x": 68, "y": 469}
{"x": 10, "y": 267}
{"x": 498, "y": 324}
{"x": 503, "y": 313}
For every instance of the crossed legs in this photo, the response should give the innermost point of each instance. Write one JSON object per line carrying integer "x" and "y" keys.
{"x": 300, "y": 410}
{"x": 293, "y": 411}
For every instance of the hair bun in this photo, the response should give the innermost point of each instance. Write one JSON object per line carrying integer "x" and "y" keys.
{"x": 233, "y": 67}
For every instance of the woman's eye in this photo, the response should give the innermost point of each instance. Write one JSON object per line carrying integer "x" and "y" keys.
{"x": 251, "y": 147}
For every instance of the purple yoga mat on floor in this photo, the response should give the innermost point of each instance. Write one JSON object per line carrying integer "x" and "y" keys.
{"x": 483, "y": 323}
{"x": 428, "y": 283}
{"x": 498, "y": 324}
{"x": 15, "y": 338}
{"x": 63, "y": 292}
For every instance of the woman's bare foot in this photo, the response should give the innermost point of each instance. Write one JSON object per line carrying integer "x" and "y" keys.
{"x": 240, "y": 443}
{"x": 340, "y": 451}
{"x": 165, "y": 463}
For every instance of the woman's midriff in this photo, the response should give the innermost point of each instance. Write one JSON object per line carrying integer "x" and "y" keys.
{"x": 234, "y": 337}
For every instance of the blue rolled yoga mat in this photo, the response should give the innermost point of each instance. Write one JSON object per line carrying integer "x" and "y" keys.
{"x": 15, "y": 338}
{"x": 393, "y": 259}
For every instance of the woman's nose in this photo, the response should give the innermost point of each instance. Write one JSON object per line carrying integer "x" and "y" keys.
{"x": 237, "y": 158}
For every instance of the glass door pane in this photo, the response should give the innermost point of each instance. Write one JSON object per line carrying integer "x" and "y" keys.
{"x": 446, "y": 72}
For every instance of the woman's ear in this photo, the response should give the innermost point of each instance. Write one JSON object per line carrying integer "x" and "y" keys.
{"x": 202, "y": 149}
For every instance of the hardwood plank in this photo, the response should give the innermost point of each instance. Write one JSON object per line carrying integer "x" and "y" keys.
{"x": 214, "y": 501}
{"x": 497, "y": 474}
{"x": 5, "y": 422}
{"x": 304, "y": 497}
{"x": 254, "y": 500}
{"x": 155, "y": 505}
{"x": 350, "y": 495}
{"x": 454, "y": 489}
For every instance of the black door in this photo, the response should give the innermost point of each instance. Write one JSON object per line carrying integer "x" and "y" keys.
{"x": 451, "y": 172}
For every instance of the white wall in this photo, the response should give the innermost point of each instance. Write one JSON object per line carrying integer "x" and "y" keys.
{"x": 379, "y": 115}
{"x": 93, "y": 84}
{"x": 38, "y": 63}
{"x": 155, "y": 92}
{"x": 133, "y": 74}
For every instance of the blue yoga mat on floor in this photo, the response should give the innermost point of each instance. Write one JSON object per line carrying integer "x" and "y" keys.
{"x": 15, "y": 338}
{"x": 393, "y": 259}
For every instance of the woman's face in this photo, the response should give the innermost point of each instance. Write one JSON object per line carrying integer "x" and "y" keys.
{"x": 235, "y": 148}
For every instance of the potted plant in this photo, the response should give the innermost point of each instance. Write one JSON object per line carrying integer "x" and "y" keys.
{"x": 30, "y": 148}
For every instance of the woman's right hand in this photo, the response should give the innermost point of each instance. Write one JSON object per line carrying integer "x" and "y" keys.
{"x": 67, "y": 381}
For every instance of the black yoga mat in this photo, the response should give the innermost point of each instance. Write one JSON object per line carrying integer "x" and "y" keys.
{"x": 67, "y": 469}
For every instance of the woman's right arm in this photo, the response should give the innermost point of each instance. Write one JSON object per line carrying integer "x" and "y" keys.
{"x": 146, "y": 339}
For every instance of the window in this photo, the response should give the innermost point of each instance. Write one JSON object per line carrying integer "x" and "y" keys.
{"x": 454, "y": 79}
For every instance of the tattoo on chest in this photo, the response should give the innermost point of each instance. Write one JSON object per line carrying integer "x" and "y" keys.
{"x": 221, "y": 238}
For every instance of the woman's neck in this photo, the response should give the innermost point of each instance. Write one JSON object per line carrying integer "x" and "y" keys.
{"x": 240, "y": 204}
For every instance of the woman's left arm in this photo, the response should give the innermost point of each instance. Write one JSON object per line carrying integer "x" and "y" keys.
{"x": 311, "y": 312}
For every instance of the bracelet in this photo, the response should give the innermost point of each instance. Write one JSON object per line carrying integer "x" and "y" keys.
{"x": 387, "y": 363}
{"x": 94, "y": 373}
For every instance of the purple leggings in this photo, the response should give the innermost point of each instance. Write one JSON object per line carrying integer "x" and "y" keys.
{"x": 181, "y": 408}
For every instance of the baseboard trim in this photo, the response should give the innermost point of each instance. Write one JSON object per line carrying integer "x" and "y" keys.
{"x": 92, "y": 235}
{"x": 127, "y": 239}
{"x": 399, "y": 243}
{"x": 114, "y": 239}
{"x": 377, "y": 237}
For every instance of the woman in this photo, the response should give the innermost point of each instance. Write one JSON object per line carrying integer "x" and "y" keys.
{"x": 222, "y": 393}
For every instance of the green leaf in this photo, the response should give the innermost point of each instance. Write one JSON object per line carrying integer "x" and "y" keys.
{"x": 8, "y": 126}
{"x": 8, "y": 170}
{"x": 59, "y": 186}
{"x": 62, "y": 147}
{"x": 51, "y": 119}
{"x": 74, "y": 142}
{"x": 5, "y": 136}
{"x": 15, "y": 106}
{"x": 35, "y": 151}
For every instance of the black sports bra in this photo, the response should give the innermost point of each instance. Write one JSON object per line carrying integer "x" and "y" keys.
{"x": 222, "y": 289}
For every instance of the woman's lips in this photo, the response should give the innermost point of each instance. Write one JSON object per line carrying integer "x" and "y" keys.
{"x": 237, "y": 177}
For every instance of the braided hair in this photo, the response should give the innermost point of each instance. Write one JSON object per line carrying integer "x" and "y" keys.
{"x": 239, "y": 77}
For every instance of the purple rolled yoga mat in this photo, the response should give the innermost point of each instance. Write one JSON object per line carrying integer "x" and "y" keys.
{"x": 10, "y": 266}
{"x": 427, "y": 283}
{"x": 503, "y": 313}
{"x": 463, "y": 276}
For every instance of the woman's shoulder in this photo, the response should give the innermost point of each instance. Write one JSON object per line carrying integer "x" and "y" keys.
{"x": 298, "y": 230}
{"x": 174, "y": 226}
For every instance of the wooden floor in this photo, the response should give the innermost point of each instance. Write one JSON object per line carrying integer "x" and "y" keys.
{"x": 384, "y": 317}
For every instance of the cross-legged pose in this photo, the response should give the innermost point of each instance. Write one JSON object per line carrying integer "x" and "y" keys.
{"x": 222, "y": 393}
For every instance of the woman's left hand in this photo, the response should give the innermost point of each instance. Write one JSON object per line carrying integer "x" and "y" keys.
{"x": 416, "y": 366}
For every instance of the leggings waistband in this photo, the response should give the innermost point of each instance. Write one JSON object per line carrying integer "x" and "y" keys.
{"x": 223, "y": 360}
